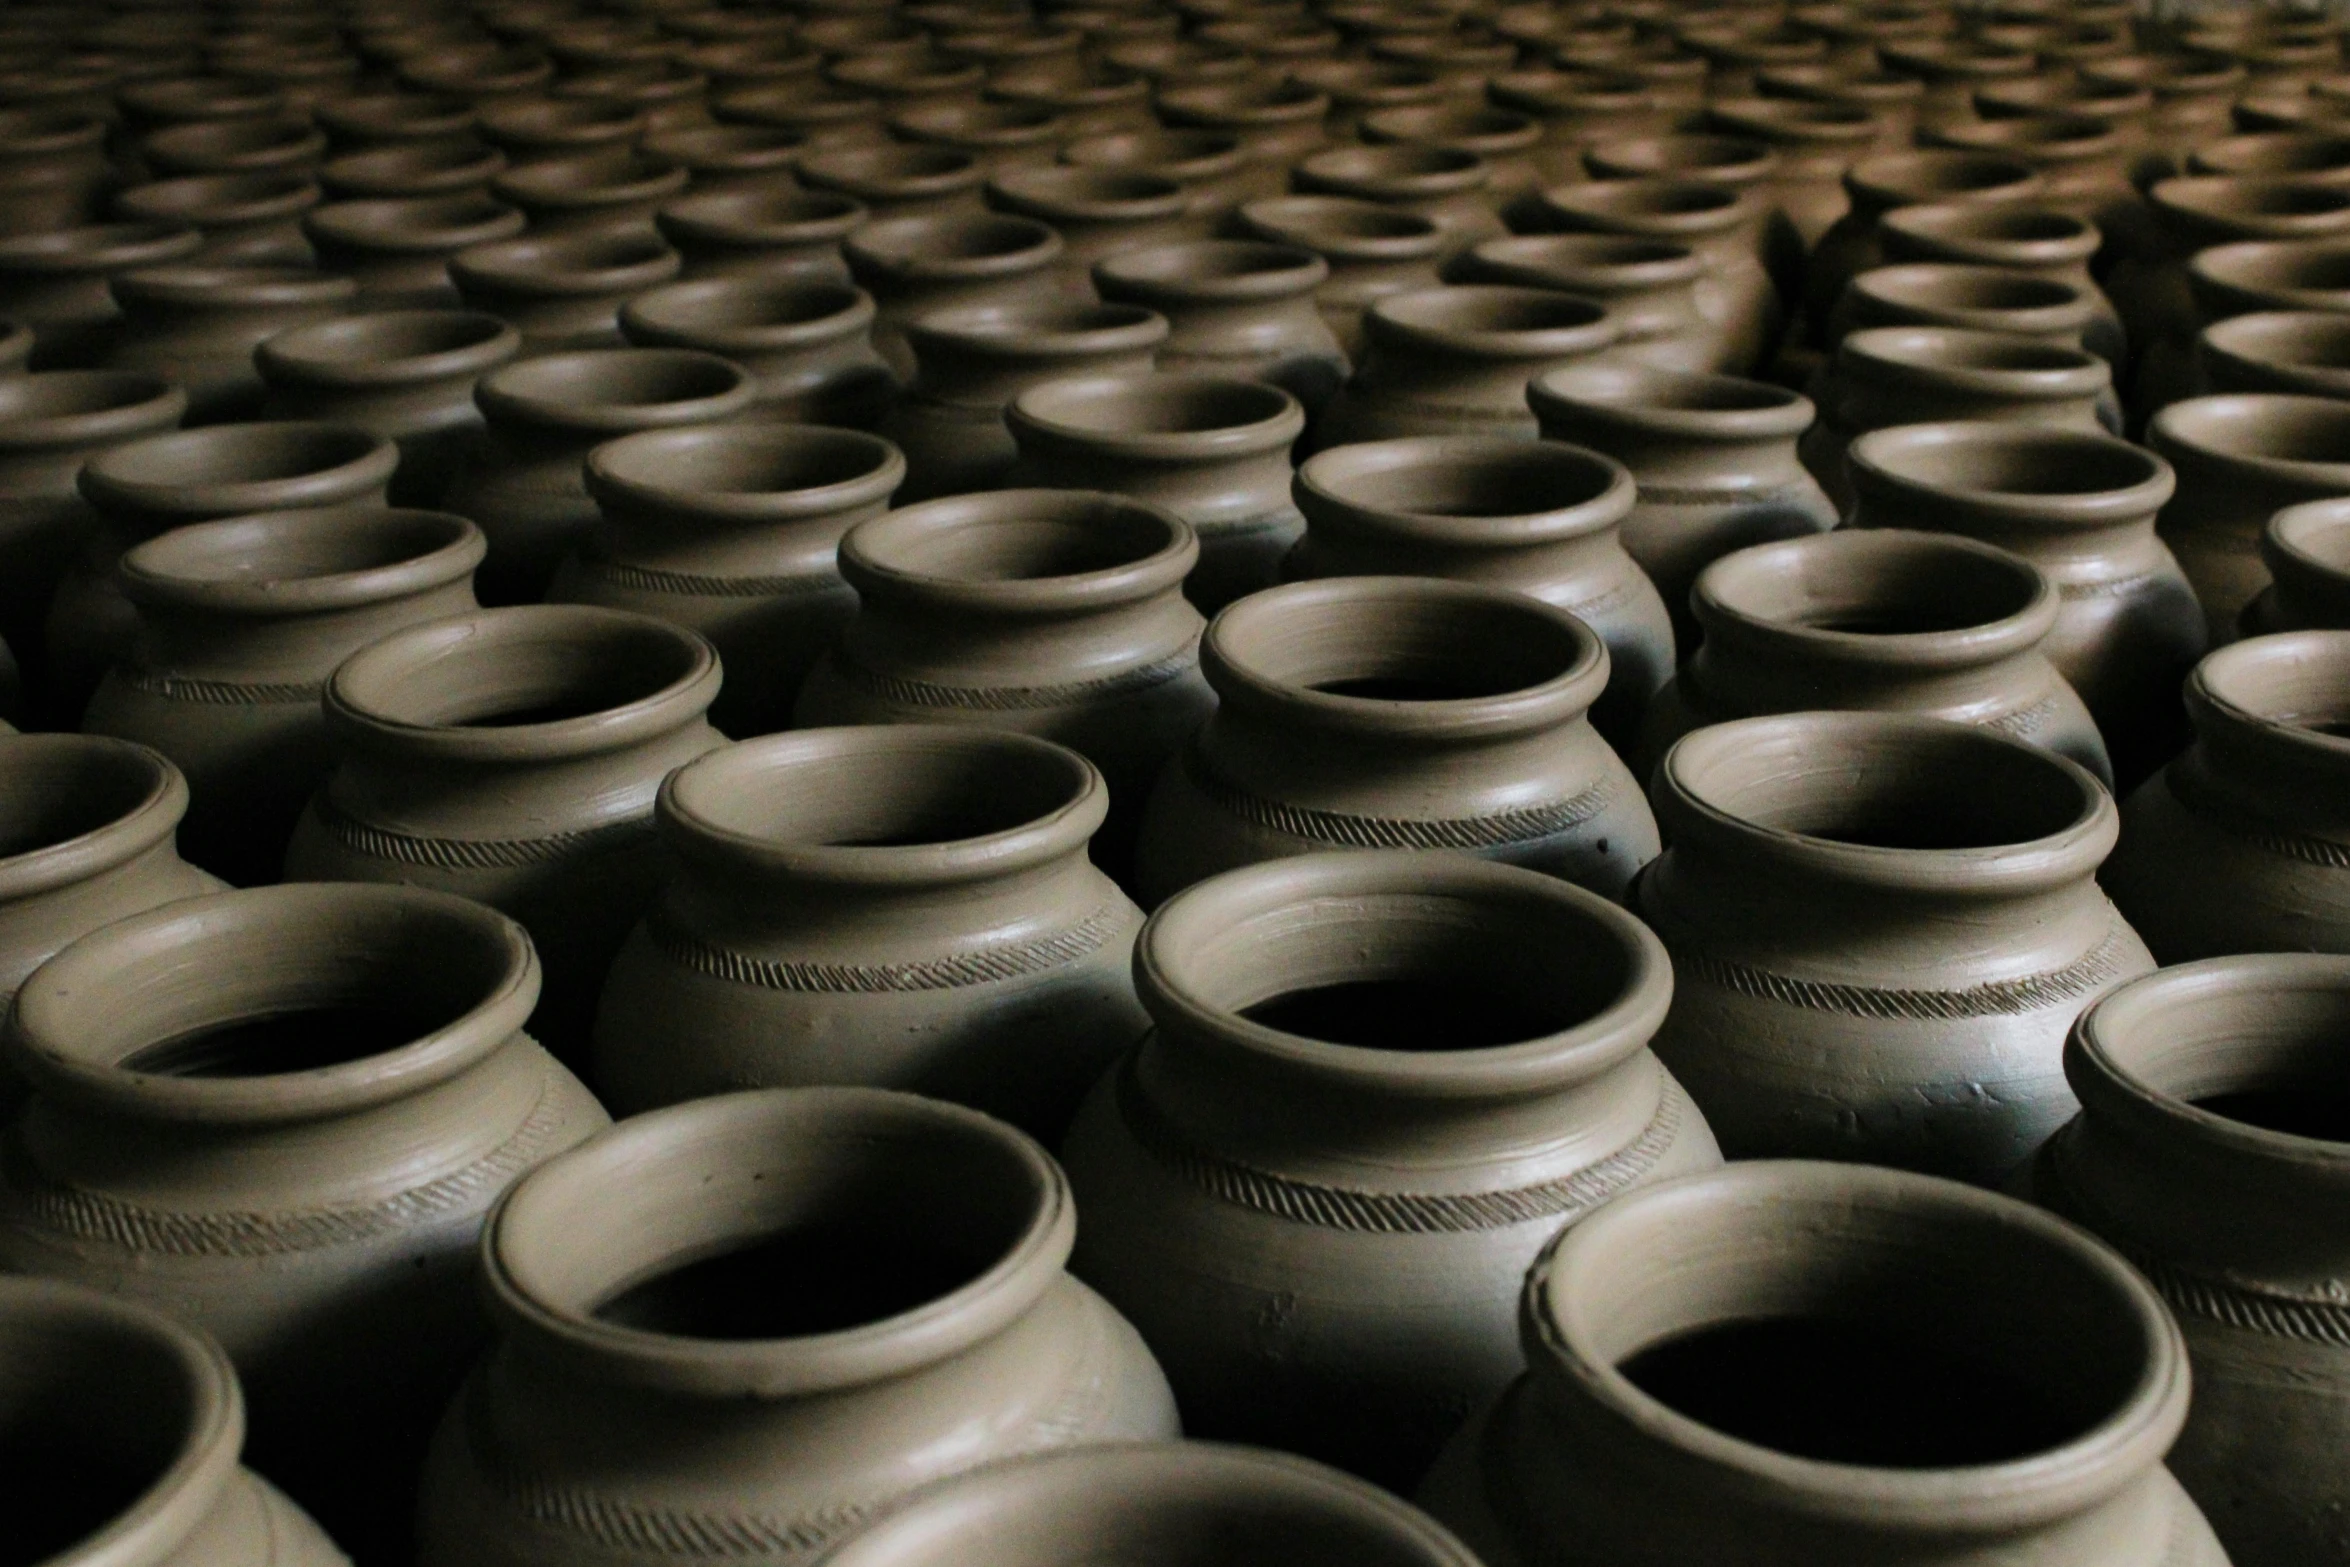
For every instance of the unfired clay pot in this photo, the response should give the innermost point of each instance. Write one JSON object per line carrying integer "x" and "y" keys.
{"x": 892, "y": 181}
{"x": 536, "y": 129}
{"x": 1882, "y": 925}
{"x": 914, "y": 266}
{"x": 2241, "y": 843}
{"x": 135, "y": 1422}
{"x": 1190, "y": 1504}
{"x": 2307, "y": 551}
{"x": 901, "y": 906}
{"x": 405, "y": 375}
{"x": 197, "y": 326}
{"x": 769, "y": 233}
{"x": 765, "y": 1317}
{"x": 1213, "y": 451}
{"x": 1236, "y": 308}
{"x": 2052, "y": 310}
{"x": 562, "y": 293}
{"x": 512, "y": 755}
{"x": 1876, "y": 187}
{"x": 2015, "y": 237}
{"x": 1371, "y": 251}
{"x": 282, "y": 1114}
{"x": 1379, "y": 1083}
{"x": 522, "y": 483}
{"x": 601, "y": 192}
{"x": 1216, "y": 170}
{"x": 732, "y": 531}
{"x": 1877, "y": 620}
{"x": 247, "y": 220}
{"x": 241, "y": 623}
{"x": 1455, "y": 362}
{"x": 1098, "y": 212}
{"x": 2232, "y": 280}
{"x": 807, "y": 343}
{"x": 1451, "y": 188}
{"x": 55, "y": 283}
{"x": 1787, "y": 1363}
{"x": 2305, "y": 351}
{"x": 728, "y": 158}
{"x": 2240, "y": 458}
{"x": 2080, "y": 507}
{"x": 89, "y": 834}
{"x": 1713, "y": 459}
{"x": 2206, "y": 1152}
{"x": 1649, "y": 287}
{"x": 1398, "y": 712}
{"x": 460, "y": 166}
{"x": 1541, "y": 518}
{"x": 398, "y": 250}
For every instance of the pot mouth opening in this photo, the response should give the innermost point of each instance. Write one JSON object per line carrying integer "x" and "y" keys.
{"x": 1070, "y": 186}
{"x": 1399, "y": 165}
{"x": 745, "y": 460}
{"x": 237, "y": 454}
{"x": 1870, "y": 585}
{"x": 926, "y": 243}
{"x": 2260, "y": 427}
{"x": 219, "y": 198}
{"x": 608, "y": 174}
{"x": 1152, "y": 405}
{"x": 1491, "y": 311}
{"x": 1988, "y": 290}
{"x": 2286, "y": 266}
{"x": 1208, "y": 261}
{"x": 1647, "y": 198}
{"x": 1682, "y": 157}
{"x": 1803, "y": 1319}
{"x": 1638, "y": 389}
{"x": 1331, "y": 225}
{"x": 2312, "y": 539}
{"x": 98, "y": 246}
{"x": 1629, "y": 253}
{"x": 752, "y": 212}
{"x": 291, "y": 550}
{"x": 515, "y": 669}
{"x": 1435, "y": 477}
{"x": 2303, "y": 339}
{"x": 75, "y": 394}
{"x": 536, "y": 118}
{"x": 2239, "y": 196}
{"x": 1444, "y": 122}
{"x": 1013, "y": 536}
{"x": 2295, "y": 681}
{"x": 608, "y": 379}
{"x": 396, "y": 218}
{"x": 747, "y": 304}
{"x": 1919, "y": 177}
{"x": 2276, "y": 152}
{"x": 407, "y": 160}
{"x": 387, "y": 339}
{"x": 716, "y": 146}
{"x": 877, "y": 167}
{"x": 1991, "y": 223}
{"x": 1169, "y": 148}
{"x": 2008, "y": 460}
{"x": 1967, "y": 349}
{"x": 61, "y": 789}
{"x": 986, "y": 123}
{"x": 1038, "y": 330}
{"x": 563, "y": 260}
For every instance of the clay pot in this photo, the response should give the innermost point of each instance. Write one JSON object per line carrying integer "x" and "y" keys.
{"x": 922, "y": 891}
{"x": 246, "y": 219}
{"x": 255, "y": 143}
{"x": 606, "y": 192}
{"x": 56, "y": 284}
{"x": 398, "y": 250}
{"x": 2258, "y": 275}
{"x": 1816, "y": 144}
{"x": 1450, "y": 188}
{"x": 2304, "y": 550}
{"x": 1890, "y": 99}
{"x": 535, "y": 130}
{"x": 910, "y": 79}
{"x": 90, "y": 830}
{"x": 719, "y": 159}
{"x": 213, "y": 1127}
{"x": 1878, "y": 186}
{"x": 1174, "y": 1505}
{"x": 2083, "y": 161}
{"x": 1318, "y": 1220}
{"x": 1712, "y": 457}
{"x": 2241, "y": 458}
{"x": 2015, "y": 237}
{"x": 1456, "y": 360}
{"x": 732, "y": 532}
{"x": 2029, "y": 305}
{"x": 672, "y": 94}
{"x": 1649, "y": 288}
{"x": 2039, "y": 1382}
{"x": 1002, "y": 137}
{"x": 1539, "y": 518}
{"x": 1389, "y": 712}
{"x": 769, "y": 234}
{"x": 1735, "y": 163}
{"x": 1212, "y": 450}
{"x": 894, "y": 182}
{"x": 1278, "y": 121}
{"x": 486, "y": 75}
{"x": 2298, "y": 351}
{"x": 53, "y": 168}
{"x": 1371, "y": 252}
{"x": 2080, "y": 507}
{"x": 407, "y": 171}
{"x": 522, "y": 483}
{"x": 957, "y": 1343}
{"x": 1882, "y": 925}
{"x": 241, "y": 622}
{"x": 2296, "y": 155}
{"x": 2198, "y": 1156}
{"x": 829, "y": 117}
{"x": 1215, "y": 169}
{"x": 1504, "y": 140}
{"x": 1175, "y": 62}
{"x": 197, "y": 326}
{"x": 1089, "y": 99}
{"x": 806, "y": 344}
{"x": 140, "y": 1420}
{"x": 1236, "y": 308}
{"x": 564, "y": 293}
{"x": 915, "y": 266}
{"x": 1054, "y": 613}
{"x": 386, "y": 119}
{"x": 511, "y": 756}
{"x": 1881, "y": 620}
{"x": 1577, "y": 107}
{"x": 1099, "y": 213}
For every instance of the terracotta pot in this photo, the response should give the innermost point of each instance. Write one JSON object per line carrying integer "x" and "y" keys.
{"x": 1216, "y": 168}
{"x": 1371, "y": 252}
{"x": 246, "y": 219}
{"x": 724, "y": 158}
{"x": 1054, "y": 613}
{"x": 398, "y": 250}
{"x": 1089, "y": 99}
{"x": 915, "y": 266}
{"x": 197, "y": 325}
{"x": 974, "y": 956}
{"x": 211, "y": 1129}
{"x": 150, "y": 1411}
{"x": 2304, "y": 550}
{"x": 1173, "y": 1505}
{"x": 1099, "y": 213}
{"x": 535, "y": 130}
{"x": 957, "y": 1343}
{"x": 1539, "y": 518}
{"x": 830, "y": 117}
{"x": 1388, "y": 712}
{"x": 2080, "y": 507}
{"x": 2236, "y": 845}
{"x": 511, "y": 756}
{"x": 769, "y": 234}
{"x": 241, "y": 623}
{"x": 732, "y": 532}
{"x": 1882, "y": 925}
{"x": 2240, "y": 458}
{"x": 565, "y": 293}
{"x": 405, "y": 375}
{"x": 2015, "y": 237}
{"x": 2197, "y": 1157}
{"x": 406, "y": 171}
{"x": 1876, "y": 620}
{"x": 2298, "y": 351}
{"x": 522, "y": 483}
{"x": 2039, "y": 1377}
{"x": 971, "y": 363}
{"x": 806, "y": 344}
{"x": 1456, "y": 360}
{"x": 1451, "y": 188}
{"x": 91, "y": 824}
{"x": 388, "y": 118}
{"x": 56, "y": 284}
{"x": 1878, "y": 186}
{"x": 1319, "y": 1221}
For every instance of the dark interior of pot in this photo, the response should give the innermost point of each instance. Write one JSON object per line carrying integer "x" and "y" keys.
{"x": 1969, "y": 288}
{"x": 2306, "y": 339}
{"x": 1994, "y": 222}
{"x": 55, "y": 789}
{"x": 2015, "y": 460}
{"x": 2280, "y": 429}
{"x": 1383, "y": 641}
{"x": 870, "y": 788}
{"x": 392, "y": 335}
{"x": 1916, "y": 586}
{"x": 621, "y": 378}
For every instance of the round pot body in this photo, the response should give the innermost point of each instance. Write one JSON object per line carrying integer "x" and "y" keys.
{"x": 1879, "y": 620}
{"x": 1785, "y": 1362}
{"x": 2239, "y": 845}
{"x": 197, "y": 327}
{"x": 283, "y": 1114}
{"x": 1053, "y": 613}
{"x": 562, "y": 292}
{"x": 2081, "y": 508}
{"x": 512, "y": 756}
{"x": 2240, "y": 459}
{"x": 733, "y": 531}
{"x": 55, "y": 283}
{"x": 242, "y": 621}
{"x": 1235, "y": 308}
{"x": 90, "y": 826}
{"x": 2307, "y": 551}
{"x": 914, "y": 266}
{"x": 902, "y": 906}
{"x": 1455, "y": 361}
{"x": 1378, "y": 1084}
{"x": 1539, "y": 518}
{"x": 103, "y": 1387}
{"x": 807, "y": 343}
{"x": 1881, "y": 927}
{"x": 1398, "y": 713}
{"x": 2017, "y": 237}
{"x": 1879, "y": 186}
{"x": 1372, "y": 251}
{"x": 246, "y": 219}
{"x": 1212, "y": 450}
{"x": 662, "y": 1366}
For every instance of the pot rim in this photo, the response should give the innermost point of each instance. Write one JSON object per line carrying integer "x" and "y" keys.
{"x": 1040, "y": 415}
{"x": 919, "y": 241}
{"x": 2285, "y": 545}
{"x": 168, "y": 570}
{"x": 1914, "y": 177}
{"x": 507, "y": 394}
{"x": 1061, "y": 191}
{"x": 1689, "y": 156}
{"x": 199, "y": 286}
{"x": 2215, "y": 703}
{"x": 1875, "y": 463}
{"x": 852, "y": 313}
{"x": 417, "y": 168}
{"x": 1665, "y": 207}
{"x": 361, "y": 461}
{"x": 2248, "y": 339}
{"x": 207, "y": 199}
{"x": 99, "y": 247}
{"x": 307, "y": 355}
{"x": 654, "y": 484}
{"x": 2213, "y": 157}
{"x": 585, "y": 264}
{"x": 2070, "y": 312}
{"x": 1652, "y": 401}
{"x": 1035, "y": 333}
{"x": 1414, "y": 320}
{"x": 865, "y": 550}
{"x": 898, "y": 172}
{"x": 2263, "y": 267}
{"x": 726, "y": 217}
{"x": 1382, "y": 233}
{"x": 1414, "y": 171}
{"x": 2067, "y": 373}
{"x": 1200, "y": 154}
{"x": 151, "y": 819}
{"x": 1596, "y": 491}
{"x": 2189, "y": 431}
{"x": 1518, "y": 258}
{"x": 2222, "y": 200}
{"x": 1212, "y": 271}
{"x": 414, "y": 225}
{"x": 147, "y": 403}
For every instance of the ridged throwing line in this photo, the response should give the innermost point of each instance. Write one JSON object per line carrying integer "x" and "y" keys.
{"x": 982, "y": 967}
{"x": 1008, "y": 699}
{"x": 222, "y": 693}
{"x": 474, "y": 854}
{"x": 687, "y": 584}
{"x": 2084, "y": 976}
{"x": 1396, "y": 1213}
{"x": 1345, "y": 830}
